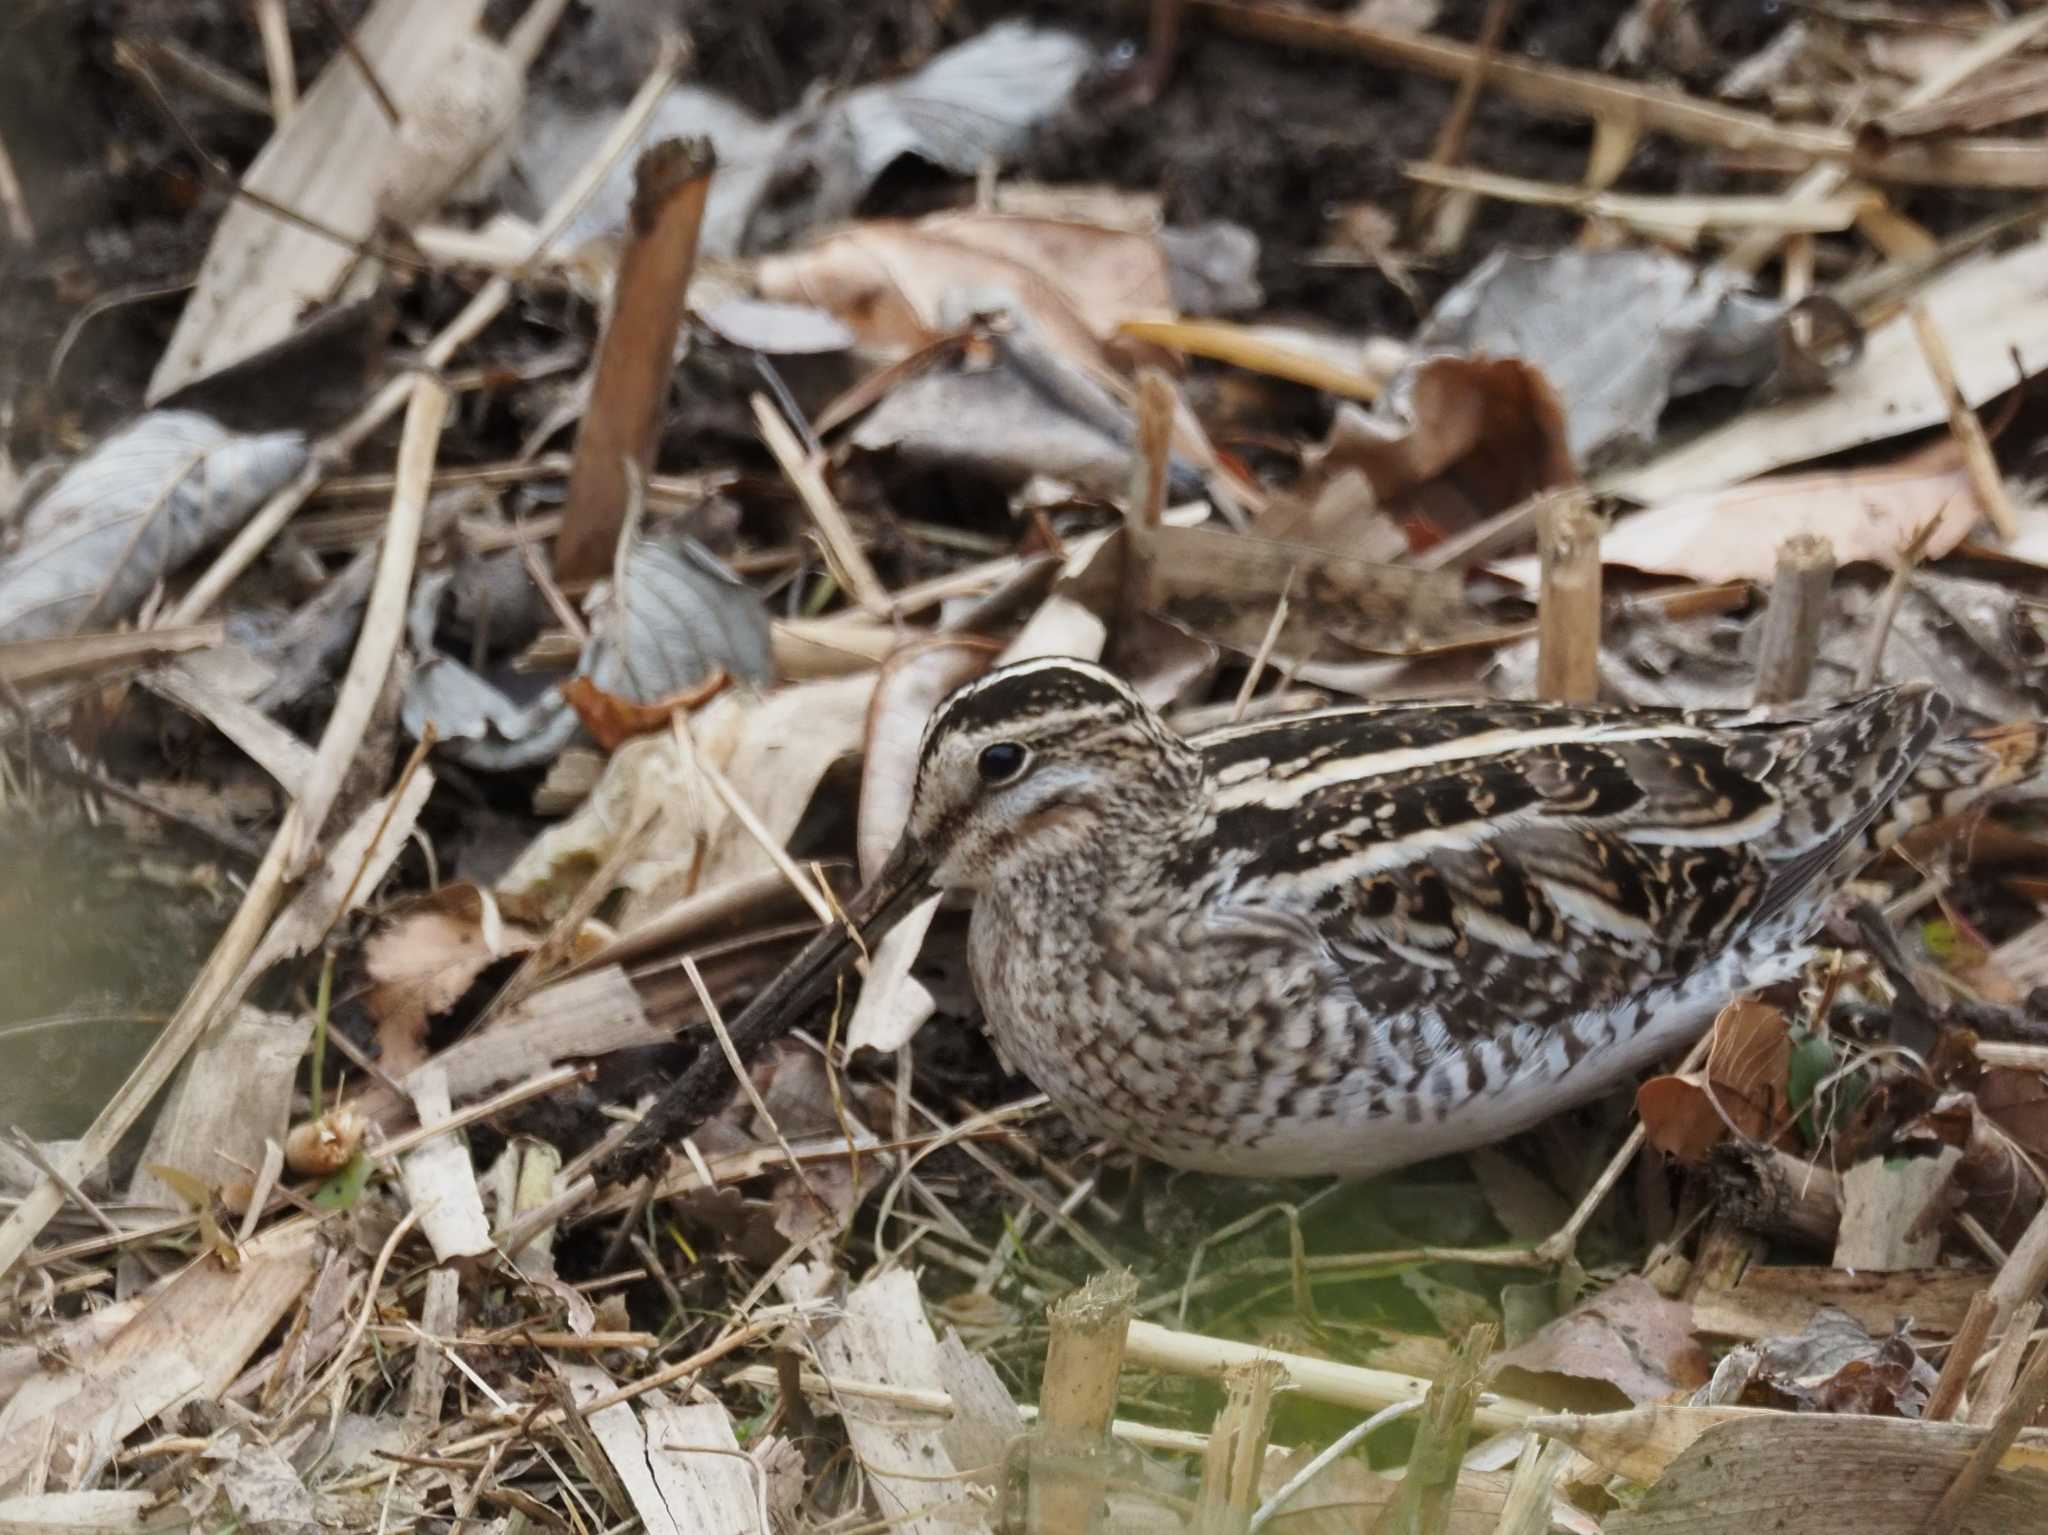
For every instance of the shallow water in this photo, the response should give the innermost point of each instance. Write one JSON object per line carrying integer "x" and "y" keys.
{"x": 100, "y": 936}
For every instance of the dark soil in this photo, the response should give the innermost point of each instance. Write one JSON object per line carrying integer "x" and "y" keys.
{"x": 1277, "y": 139}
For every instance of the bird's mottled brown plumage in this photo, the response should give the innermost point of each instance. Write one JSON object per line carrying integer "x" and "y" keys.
{"x": 1346, "y": 940}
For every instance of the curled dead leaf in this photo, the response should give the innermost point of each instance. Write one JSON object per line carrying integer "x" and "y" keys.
{"x": 613, "y": 720}
{"x": 423, "y": 961}
{"x": 1742, "y": 1090}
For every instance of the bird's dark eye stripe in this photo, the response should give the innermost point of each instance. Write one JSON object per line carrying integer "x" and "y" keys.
{"x": 1001, "y": 762}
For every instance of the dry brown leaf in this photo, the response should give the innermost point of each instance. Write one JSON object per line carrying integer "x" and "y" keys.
{"x": 1628, "y": 1336}
{"x": 901, "y": 285}
{"x": 1742, "y": 1087}
{"x": 1456, "y": 439}
{"x": 613, "y": 720}
{"x": 422, "y": 962}
{"x": 2017, "y": 1102}
{"x": 1733, "y": 534}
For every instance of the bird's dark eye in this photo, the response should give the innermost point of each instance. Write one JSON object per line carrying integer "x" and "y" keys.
{"x": 1000, "y": 763}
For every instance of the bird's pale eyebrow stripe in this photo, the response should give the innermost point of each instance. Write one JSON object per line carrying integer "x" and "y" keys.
{"x": 1035, "y": 726}
{"x": 1273, "y": 791}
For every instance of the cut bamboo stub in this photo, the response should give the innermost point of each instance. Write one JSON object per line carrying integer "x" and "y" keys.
{"x": 1568, "y": 607}
{"x": 1793, "y": 622}
{"x": 1236, "y": 1455}
{"x": 1084, "y": 1361}
{"x": 629, "y": 394}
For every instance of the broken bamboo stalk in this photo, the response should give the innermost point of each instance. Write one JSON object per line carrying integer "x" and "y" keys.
{"x": 1430, "y": 1484}
{"x": 629, "y": 394}
{"x": 1963, "y": 1350}
{"x": 2018, "y": 1410}
{"x": 1979, "y": 464}
{"x": 1568, "y": 606}
{"x": 1775, "y": 1194}
{"x": 1151, "y": 458}
{"x": 2003, "y": 1371}
{"x": 1084, "y": 1361}
{"x": 1793, "y": 621}
{"x": 1236, "y": 1454}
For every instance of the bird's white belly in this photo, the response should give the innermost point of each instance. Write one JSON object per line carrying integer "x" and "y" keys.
{"x": 1130, "y": 1065}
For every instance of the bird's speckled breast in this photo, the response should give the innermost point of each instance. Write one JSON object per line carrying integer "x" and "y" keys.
{"x": 1237, "y": 1054}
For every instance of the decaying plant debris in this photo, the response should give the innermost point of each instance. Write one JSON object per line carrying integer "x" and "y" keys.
{"x": 489, "y": 496}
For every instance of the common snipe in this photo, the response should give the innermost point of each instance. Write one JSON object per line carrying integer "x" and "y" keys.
{"x": 1342, "y": 941}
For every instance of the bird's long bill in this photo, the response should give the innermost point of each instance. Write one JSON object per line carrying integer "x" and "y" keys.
{"x": 879, "y": 906}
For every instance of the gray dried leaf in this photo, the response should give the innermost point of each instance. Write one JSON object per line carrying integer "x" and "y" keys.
{"x": 780, "y": 330}
{"x": 265, "y": 1492}
{"x": 134, "y": 509}
{"x": 474, "y": 721}
{"x": 1214, "y": 267}
{"x": 1617, "y": 333}
{"x": 677, "y": 616}
{"x": 992, "y": 421}
{"x": 557, "y": 142}
{"x": 973, "y": 103}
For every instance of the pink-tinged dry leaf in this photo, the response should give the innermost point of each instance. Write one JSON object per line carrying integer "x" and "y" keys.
{"x": 1733, "y": 534}
{"x": 911, "y": 683}
{"x": 1455, "y": 439}
{"x": 1742, "y": 1087}
{"x": 900, "y": 285}
{"x": 1628, "y": 1336}
{"x": 422, "y": 962}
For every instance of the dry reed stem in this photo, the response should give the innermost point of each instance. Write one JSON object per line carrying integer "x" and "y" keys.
{"x": 1153, "y": 1347}
{"x": 1986, "y": 484}
{"x": 636, "y": 355}
{"x": 1568, "y": 606}
{"x": 1437, "y": 217}
{"x": 1963, "y": 1350}
{"x": 1584, "y": 94}
{"x": 1823, "y": 180}
{"x": 278, "y": 65}
{"x": 2014, "y": 1414}
{"x": 849, "y": 560}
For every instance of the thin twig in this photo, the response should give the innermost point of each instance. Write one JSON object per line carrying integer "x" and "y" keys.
{"x": 276, "y": 30}
{"x": 344, "y": 35}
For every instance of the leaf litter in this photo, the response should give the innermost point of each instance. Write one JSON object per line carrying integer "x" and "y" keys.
{"x": 361, "y": 1277}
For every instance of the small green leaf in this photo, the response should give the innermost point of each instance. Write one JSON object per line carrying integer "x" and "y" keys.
{"x": 341, "y": 1191}
{"x": 1813, "y": 1058}
{"x": 1941, "y": 938}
